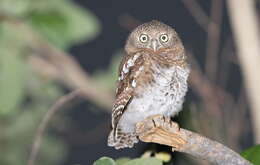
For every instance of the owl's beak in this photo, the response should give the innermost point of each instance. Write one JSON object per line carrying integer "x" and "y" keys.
{"x": 154, "y": 45}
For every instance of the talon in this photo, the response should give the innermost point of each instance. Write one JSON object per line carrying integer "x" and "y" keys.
{"x": 175, "y": 126}
{"x": 171, "y": 124}
{"x": 168, "y": 120}
{"x": 163, "y": 118}
{"x": 155, "y": 116}
{"x": 154, "y": 124}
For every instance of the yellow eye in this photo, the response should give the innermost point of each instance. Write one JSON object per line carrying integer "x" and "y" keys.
{"x": 143, "y": 38}
{"x": 164, "y": 38}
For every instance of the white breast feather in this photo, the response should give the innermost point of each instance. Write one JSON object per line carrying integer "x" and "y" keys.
{"x": 165, "y": 96}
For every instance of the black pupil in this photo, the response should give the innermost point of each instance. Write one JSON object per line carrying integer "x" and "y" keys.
{"x": 143, "y": 38}
{"x": 163, "y": 37}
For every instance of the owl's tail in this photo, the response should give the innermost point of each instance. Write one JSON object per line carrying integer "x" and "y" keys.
{"x": 120, "y": 139}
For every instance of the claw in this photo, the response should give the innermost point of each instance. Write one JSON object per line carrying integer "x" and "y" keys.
{"x": 160, "y": 129}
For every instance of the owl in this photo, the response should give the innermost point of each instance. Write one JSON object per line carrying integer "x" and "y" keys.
{"x": 152, "y": 80}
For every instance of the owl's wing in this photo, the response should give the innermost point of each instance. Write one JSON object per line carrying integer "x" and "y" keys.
{"x": 129, "y": 75}
{"x": 123, "y": 96}
{"x": 120, "y": 105}
{"x": 125, "y": 90}
{"x": 117, "y": 138}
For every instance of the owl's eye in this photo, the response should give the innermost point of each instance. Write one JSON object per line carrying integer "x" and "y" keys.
{"x": 164, "y": 38}
{"x": 143, "y": 38}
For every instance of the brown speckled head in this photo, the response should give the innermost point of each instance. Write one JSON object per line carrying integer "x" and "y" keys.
{"x": 153, "y": 36}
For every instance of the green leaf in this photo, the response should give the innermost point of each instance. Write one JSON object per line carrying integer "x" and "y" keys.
{"x": 52, "y": 149}
{"x": 105, "y": 161}
{"x": 64, "y": 23}
{"x": 252, "y": 154}
{"x": 144, "y": 161}
{"x": 122, "y": 161}
{"x": 12, "y": 71}
{"x": 11, "y": 39}
{"x": 14, "y": 7}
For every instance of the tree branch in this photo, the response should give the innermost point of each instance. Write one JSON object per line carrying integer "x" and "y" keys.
{"x": 213, "y": 39}
{"x": 159, "y": 129}
{"x": 245, "y": 26}
{"x": 44, "y": 123}
{"x": 64, "y": 68}
{"x": 198, "y": 13}
{"x": 61, "y": 66}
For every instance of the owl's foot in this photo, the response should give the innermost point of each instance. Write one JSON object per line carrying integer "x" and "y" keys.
{"x": 160, "y": 129}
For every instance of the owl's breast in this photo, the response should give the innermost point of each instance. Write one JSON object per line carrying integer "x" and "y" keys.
{"x": 164, "y": 95}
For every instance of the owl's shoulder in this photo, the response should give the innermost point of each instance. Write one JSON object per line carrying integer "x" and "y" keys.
{"x": 125, "y": 88}
{"x": 129, "y": 69}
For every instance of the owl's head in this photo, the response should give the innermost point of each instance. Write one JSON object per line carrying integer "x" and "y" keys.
{"x": 153, "y": 35}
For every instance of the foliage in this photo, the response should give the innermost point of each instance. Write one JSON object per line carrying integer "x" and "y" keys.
{"x": 122, "y": 161}
{"x": 12, "y": 71}
{"x": 252, "y": 154}
{"x": 126, "y": 161}
{"x": 63, "y": 23}
{"x": 163, "y": 156}
{"x": 25, "y": 96}
{"x": 105, "y": 161}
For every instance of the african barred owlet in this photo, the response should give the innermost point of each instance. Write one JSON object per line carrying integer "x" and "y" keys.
{"x": 152, "y": 80}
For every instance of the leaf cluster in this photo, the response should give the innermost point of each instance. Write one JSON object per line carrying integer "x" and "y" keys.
{"x": 25, "y": 96}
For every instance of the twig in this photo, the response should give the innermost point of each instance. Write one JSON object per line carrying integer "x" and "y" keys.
{"x": 211, "y": 26}
{"x": 62, "y": 66}
{"x": 197, "y": 12}
{"x": 158, "y": 129}
{"x": 225, "y": 61}
{"x": 204, "y": 88}
{"x": 245, "y": 27}
{"x": 213, "y": 38}
{"x": 40, "y": 130}
{"x": 67, "y": 70}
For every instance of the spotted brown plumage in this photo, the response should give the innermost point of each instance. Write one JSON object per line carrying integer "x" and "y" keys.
{"x": 152, "y": 80}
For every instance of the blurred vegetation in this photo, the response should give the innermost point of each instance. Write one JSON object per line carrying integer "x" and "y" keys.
{"x": 107, "y": 78}
{"x": 25, "y": 96}
{"x": 126, "y": 161}
{"x": 252, "y": 154}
